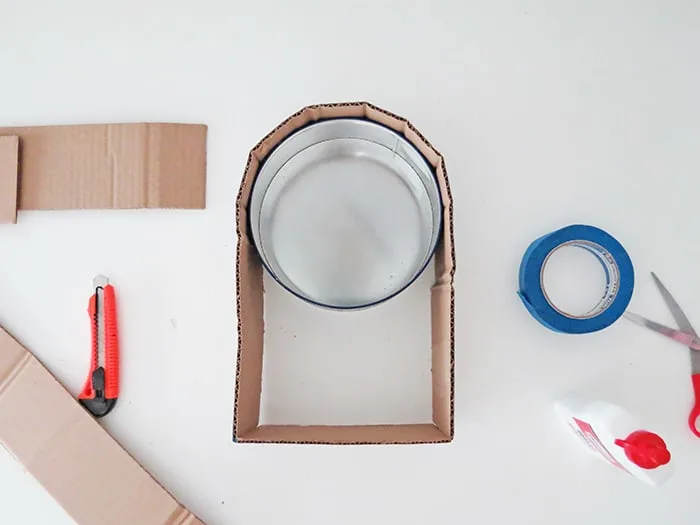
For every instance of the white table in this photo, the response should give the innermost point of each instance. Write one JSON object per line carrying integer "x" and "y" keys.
{"x": 548, "y": 113}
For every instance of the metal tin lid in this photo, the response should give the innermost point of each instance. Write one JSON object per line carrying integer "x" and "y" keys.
{"x": 345, "y": 213}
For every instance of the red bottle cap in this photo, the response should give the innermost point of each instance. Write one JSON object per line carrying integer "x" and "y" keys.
{"x": 645, "y": 449}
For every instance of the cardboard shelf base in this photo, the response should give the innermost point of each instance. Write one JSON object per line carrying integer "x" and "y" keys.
{"x": 346, "y": 435}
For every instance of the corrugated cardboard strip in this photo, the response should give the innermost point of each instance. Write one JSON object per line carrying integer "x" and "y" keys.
{"x": 145, "y": 165}
{"x": 59, "y": 443}
{"x": 250, "y": 294}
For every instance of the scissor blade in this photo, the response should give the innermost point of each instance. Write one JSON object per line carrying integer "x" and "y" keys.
{"x": 678, "y": 315}
{"x": 695, "y": 363}
{"x": 683, "y": 338}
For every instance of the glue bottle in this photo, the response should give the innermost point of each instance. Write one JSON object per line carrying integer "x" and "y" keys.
{"x": 615, "y": 436}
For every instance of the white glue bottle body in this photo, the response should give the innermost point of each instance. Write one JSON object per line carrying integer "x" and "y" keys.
{"x": 615, "y": 436}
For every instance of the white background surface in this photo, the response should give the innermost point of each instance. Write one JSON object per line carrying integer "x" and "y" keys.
{"x": 548, "y": 113}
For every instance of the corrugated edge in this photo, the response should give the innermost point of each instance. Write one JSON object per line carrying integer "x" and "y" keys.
{"x": 452, "y": 269}
{"x": 452, "y": 298}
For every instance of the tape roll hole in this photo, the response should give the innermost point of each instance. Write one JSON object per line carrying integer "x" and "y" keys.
{"x": 579, "y": 279}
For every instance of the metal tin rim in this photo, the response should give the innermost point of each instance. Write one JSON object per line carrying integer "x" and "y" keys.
{"x": 401, "y": 146}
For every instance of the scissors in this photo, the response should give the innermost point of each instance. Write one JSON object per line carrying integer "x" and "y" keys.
{"x": 686, "y": 336}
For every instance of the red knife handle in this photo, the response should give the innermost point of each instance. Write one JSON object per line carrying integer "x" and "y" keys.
{"x": 88, "y": 391}
{"x": 694, "y": 418}
{"x": 111, "y": 344}
{"x": 101, "y": 390}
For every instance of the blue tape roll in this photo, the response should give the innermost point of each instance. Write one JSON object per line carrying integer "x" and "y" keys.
{"x": 619, "y": 274}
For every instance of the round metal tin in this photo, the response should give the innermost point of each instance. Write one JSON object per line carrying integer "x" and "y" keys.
{"x": 345, "y": 213}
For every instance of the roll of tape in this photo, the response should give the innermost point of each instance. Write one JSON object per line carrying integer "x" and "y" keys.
{"x": 619, "y": 274}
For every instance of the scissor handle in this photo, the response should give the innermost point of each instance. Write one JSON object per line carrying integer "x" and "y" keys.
{"x": 694, "y": 417}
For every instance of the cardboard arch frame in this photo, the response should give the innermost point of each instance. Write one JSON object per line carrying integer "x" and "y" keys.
{"x": 250, "y": 305}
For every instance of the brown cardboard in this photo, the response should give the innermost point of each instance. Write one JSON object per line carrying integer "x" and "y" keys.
{"x": 95, "y": 480}
{"x": 143, "y": 165}
{"x": 9, "y": 157}
{"x": 250, "y": 293}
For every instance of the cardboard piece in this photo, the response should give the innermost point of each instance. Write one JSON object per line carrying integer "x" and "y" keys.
{"x": 249, "y": 296}
{"x": 9, "y": 158}
{"x": 95, "y": 480}
{"x": 144, "y": 165}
